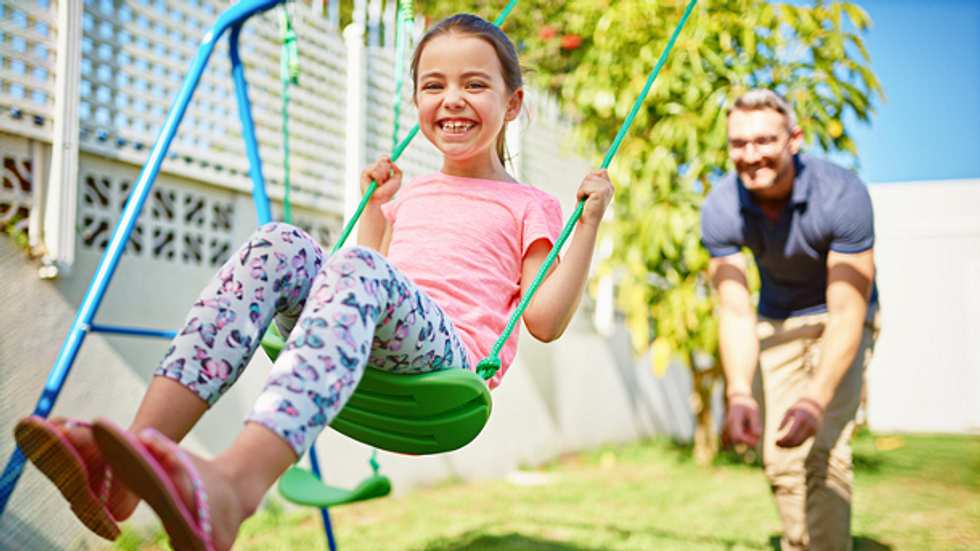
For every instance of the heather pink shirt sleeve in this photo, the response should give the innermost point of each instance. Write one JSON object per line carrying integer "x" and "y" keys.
{"x": 542, "y": 220}
{"x": 390, "y": 209}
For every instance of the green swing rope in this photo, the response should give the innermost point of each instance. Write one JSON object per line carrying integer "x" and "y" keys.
{"x": 289, "y": 74}
{"x": 404, "y": 19}
{"x": 489, "y": 365}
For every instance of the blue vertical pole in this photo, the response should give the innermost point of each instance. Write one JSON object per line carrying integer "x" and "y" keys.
{"x": 260, "y": 196}
{"x": 324, "y": 513}
{"x": 248, "y": 129}
{"x": 81, "y": 325}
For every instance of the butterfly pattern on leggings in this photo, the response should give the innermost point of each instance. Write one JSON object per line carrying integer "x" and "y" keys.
{"x": 345, "y": 312}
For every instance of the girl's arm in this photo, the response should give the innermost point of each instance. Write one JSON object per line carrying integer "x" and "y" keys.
{"x": 373, "y": 229}
{"x": 558, "y": 296}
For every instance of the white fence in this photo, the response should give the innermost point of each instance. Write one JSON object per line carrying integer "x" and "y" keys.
{"x": 925, "y": 375}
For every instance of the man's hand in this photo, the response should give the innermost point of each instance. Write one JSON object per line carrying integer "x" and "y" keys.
{"x": 801, "y": 421}
{"x": 742, "y": 423}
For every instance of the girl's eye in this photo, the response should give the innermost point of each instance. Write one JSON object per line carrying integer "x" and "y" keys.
{"x": 476, "y": 85}
{"x": 431, "y": 86}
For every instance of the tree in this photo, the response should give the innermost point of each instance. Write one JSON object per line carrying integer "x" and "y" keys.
{"x": 595, "y": 55}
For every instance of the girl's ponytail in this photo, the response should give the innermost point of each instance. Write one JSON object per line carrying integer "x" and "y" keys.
{"x": 502, "y": 145}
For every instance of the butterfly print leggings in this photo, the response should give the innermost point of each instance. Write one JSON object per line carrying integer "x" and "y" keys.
{"x": 342, "y": 313}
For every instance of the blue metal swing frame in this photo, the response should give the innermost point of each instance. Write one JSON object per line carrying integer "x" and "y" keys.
{"x": 231, "y": 20}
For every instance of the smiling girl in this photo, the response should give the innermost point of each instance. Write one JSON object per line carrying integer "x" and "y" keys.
{"x": 436, "y": 274}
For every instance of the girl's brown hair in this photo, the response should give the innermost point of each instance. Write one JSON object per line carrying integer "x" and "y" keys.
{"x": 471, "y": 25}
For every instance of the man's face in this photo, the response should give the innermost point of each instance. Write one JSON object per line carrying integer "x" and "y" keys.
{"x": 762, "y": 148}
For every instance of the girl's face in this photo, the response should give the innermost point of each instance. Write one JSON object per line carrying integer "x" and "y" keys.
{"x": 461, "y": 96}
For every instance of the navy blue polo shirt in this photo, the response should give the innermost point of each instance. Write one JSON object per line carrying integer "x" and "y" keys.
{"x": 829, "y": 210}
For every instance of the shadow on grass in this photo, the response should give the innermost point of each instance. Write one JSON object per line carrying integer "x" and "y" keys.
{"x": 861, "y": 543}
{"x": 866, "y": 462}
{"x": 866, "y": 457}
{"x": 678, "y": 536}
{"x": 477, "y": 540}
{"x": 505, "y": 542}
{"x": 726, "y": 457}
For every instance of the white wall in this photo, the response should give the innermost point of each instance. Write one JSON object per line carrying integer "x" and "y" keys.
{"x": 925, "y": 375}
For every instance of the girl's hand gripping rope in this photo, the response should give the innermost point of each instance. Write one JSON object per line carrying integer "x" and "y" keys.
{"x": 388, "y": 177}
{"x": 597, "y": 191}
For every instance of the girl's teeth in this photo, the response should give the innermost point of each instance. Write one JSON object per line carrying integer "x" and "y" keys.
{"x": 456, "y": 126}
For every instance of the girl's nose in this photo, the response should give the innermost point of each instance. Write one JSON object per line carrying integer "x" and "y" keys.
{"x": 453, "y": 98}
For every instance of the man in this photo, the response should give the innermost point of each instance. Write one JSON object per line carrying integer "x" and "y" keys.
{"x": 809, "y": 226}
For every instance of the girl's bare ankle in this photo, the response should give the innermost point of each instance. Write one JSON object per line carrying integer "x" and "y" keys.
{"x": 241, "y": 486}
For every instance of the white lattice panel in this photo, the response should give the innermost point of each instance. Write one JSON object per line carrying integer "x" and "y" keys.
{"x": 28, "y": 33}
{"x": 135, "y": 54}
{"x": 183, "y": 224}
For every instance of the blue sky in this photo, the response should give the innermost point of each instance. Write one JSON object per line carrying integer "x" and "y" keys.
{"x": 927, "y": 55}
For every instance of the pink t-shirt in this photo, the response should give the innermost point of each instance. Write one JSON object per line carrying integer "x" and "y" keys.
{"x": 463, "y": 241}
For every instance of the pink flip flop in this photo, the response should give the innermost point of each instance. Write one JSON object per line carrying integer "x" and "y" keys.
{"x": 139, "y": 469}
{"x": 48, "y": 448}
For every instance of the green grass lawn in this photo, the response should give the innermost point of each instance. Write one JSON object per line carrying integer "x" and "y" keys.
{"x": 912, "y": 492}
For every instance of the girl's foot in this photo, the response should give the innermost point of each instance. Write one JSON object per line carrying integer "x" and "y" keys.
{"x": 196, "y": 501}
{"x": 64, "y": 451}
{"x": 190, "y": 473}
{"x": 120, "y": 501}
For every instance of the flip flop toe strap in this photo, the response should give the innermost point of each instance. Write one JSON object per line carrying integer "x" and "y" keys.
{"x": 200, "y": 494}
{"x": 106, "y": 488}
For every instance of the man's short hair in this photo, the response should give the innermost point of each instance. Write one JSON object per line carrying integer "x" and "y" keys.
{"x": 763, "y": 98}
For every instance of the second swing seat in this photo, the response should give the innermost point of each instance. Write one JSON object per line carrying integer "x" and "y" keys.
{"x": 302, "y": 487}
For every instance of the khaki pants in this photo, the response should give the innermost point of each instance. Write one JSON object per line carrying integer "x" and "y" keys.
{"x": 811, "y": 483}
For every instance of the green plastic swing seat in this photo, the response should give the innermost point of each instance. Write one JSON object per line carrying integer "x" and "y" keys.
{"x": 302, "y": 487}
{"x": 417, "y": 414}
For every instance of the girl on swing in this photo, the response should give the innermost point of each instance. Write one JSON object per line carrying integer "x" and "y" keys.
{"x": 437, "y": 271}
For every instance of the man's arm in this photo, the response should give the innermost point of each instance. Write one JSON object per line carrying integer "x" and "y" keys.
{"x": 739, "y": 347}
{"x": 736, "y": 322}
{"x": 849, "y": 278}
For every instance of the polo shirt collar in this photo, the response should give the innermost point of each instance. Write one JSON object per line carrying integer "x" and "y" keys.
{"x": 801, "y": 184}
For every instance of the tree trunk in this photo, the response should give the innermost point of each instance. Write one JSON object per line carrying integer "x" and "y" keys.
{"x": 705, "y": 435}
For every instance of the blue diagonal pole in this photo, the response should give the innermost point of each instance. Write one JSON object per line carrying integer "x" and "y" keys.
{"x": 82, "y": 324}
